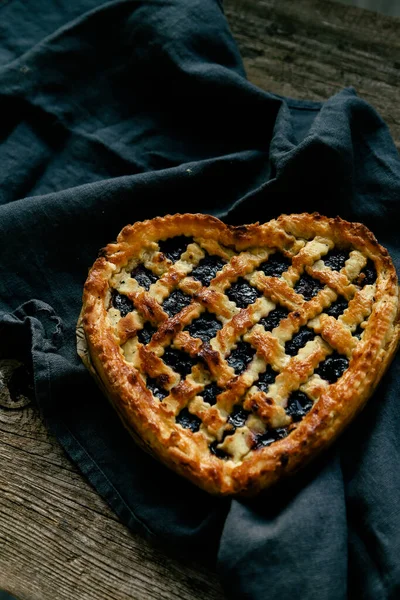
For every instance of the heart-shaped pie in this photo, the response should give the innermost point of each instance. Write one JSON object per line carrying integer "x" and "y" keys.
{"x": 235, "y": 354}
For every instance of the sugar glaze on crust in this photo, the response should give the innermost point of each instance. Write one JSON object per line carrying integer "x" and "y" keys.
{"x": 235, "y": 354}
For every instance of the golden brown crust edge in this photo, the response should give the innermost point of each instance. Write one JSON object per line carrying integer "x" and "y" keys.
{"x": 329, "y": 416}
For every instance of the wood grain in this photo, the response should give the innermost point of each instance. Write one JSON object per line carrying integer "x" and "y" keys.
{"x": 58, "y": 539}
{"x": 311, "y": 49}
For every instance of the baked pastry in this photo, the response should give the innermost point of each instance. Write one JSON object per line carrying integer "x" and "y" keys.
{"x": 235, "y": 354}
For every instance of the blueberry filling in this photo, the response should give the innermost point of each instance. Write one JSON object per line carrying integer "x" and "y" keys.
{"x": 207, "y": 269}
{"x": 298, "y": 405}
{"x": 368, "y": 274}
{"x": 144, "y": 276}
{"x": 275, "y": 265}
{"x": 274, "y": 318}
{"x": 210, "y": 393}
{"x": 308, "y": 287}
{"x": 188, "y": 421}
{"x": 332, "y": 367}
{"x": 358, "y": 332}
{"x": 178, "y": 360}
{"x": 174, "y": 247}
{"x": 216, "y": 451}
{"x": 175, "y": 302}
{"x": 145, "y": 334}
{"x": 299, "y": 340}
{"x": 205, "y": 327}
{"x": 242, "y": 293}
{"x": 121, "y": 303}
{"x": 240, "y": 357}
{"x": 155, "y": 388}
{"x": 335, "y": 259}
{"x": 337, "y": 308}
{"x": 238, "y": 416}
{"x": 269, "y": 437}
{"x": 265, "y": 379}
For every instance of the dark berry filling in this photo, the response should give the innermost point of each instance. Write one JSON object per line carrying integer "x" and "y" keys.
{"x": 121, "y": 303}
{"x": 178, "y": 360}
{"x": 216, "y": 451}
{"x": 155, "y": 388}
{"x": 337, "y": 308}
{"x": 308, "y": 287}
{"x": 144, "y": 276}
{"x": 240, "y": 357}
{"x": 335, "y": 259}
{"x": 145, "y": 334}
{"x": 275, "y": 265}
{"x": 174, "y": 247}
{"x": 205, "y": 327}
{"x": 238, "y": 416}
{"x": 210, "y": 393}
{"x": 242, "y": 293}
{"x": 265, "y": 379}
{"x": 188, "y": 421}
{"x": 269, "y": 437}
{"x": 274, "y": 318}
{"x": 332, "y": 367}
{"x": 368, "y": 274}
{"x": 358, "y": 332}
{"x": 175, "y": 302}
{"x": 298, "y": 405}
{"x": 207, "y": 269}
{"x": 299, "y": 340}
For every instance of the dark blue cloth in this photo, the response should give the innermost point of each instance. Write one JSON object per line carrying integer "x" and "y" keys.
{"x": 6, "y": 596}
{"x": 115, "y": 112}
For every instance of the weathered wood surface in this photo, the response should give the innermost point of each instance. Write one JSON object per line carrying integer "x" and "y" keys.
{"x": 58, "y": 539}
{"x": 311, "y": 49}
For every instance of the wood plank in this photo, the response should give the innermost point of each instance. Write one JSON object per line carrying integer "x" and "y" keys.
{"x": 60, "y": 541}
{"x": 311, "y": 49}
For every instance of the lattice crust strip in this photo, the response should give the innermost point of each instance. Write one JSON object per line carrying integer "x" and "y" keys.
{"x": 234, "y": 354}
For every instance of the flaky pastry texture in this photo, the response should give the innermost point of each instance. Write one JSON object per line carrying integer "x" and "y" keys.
{"x": 235, "y": 354}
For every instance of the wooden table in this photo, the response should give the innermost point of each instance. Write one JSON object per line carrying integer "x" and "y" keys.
{"x": 58, "y": 539}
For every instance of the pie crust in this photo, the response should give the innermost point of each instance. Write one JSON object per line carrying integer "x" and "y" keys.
{"x": 235, "y": 354}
